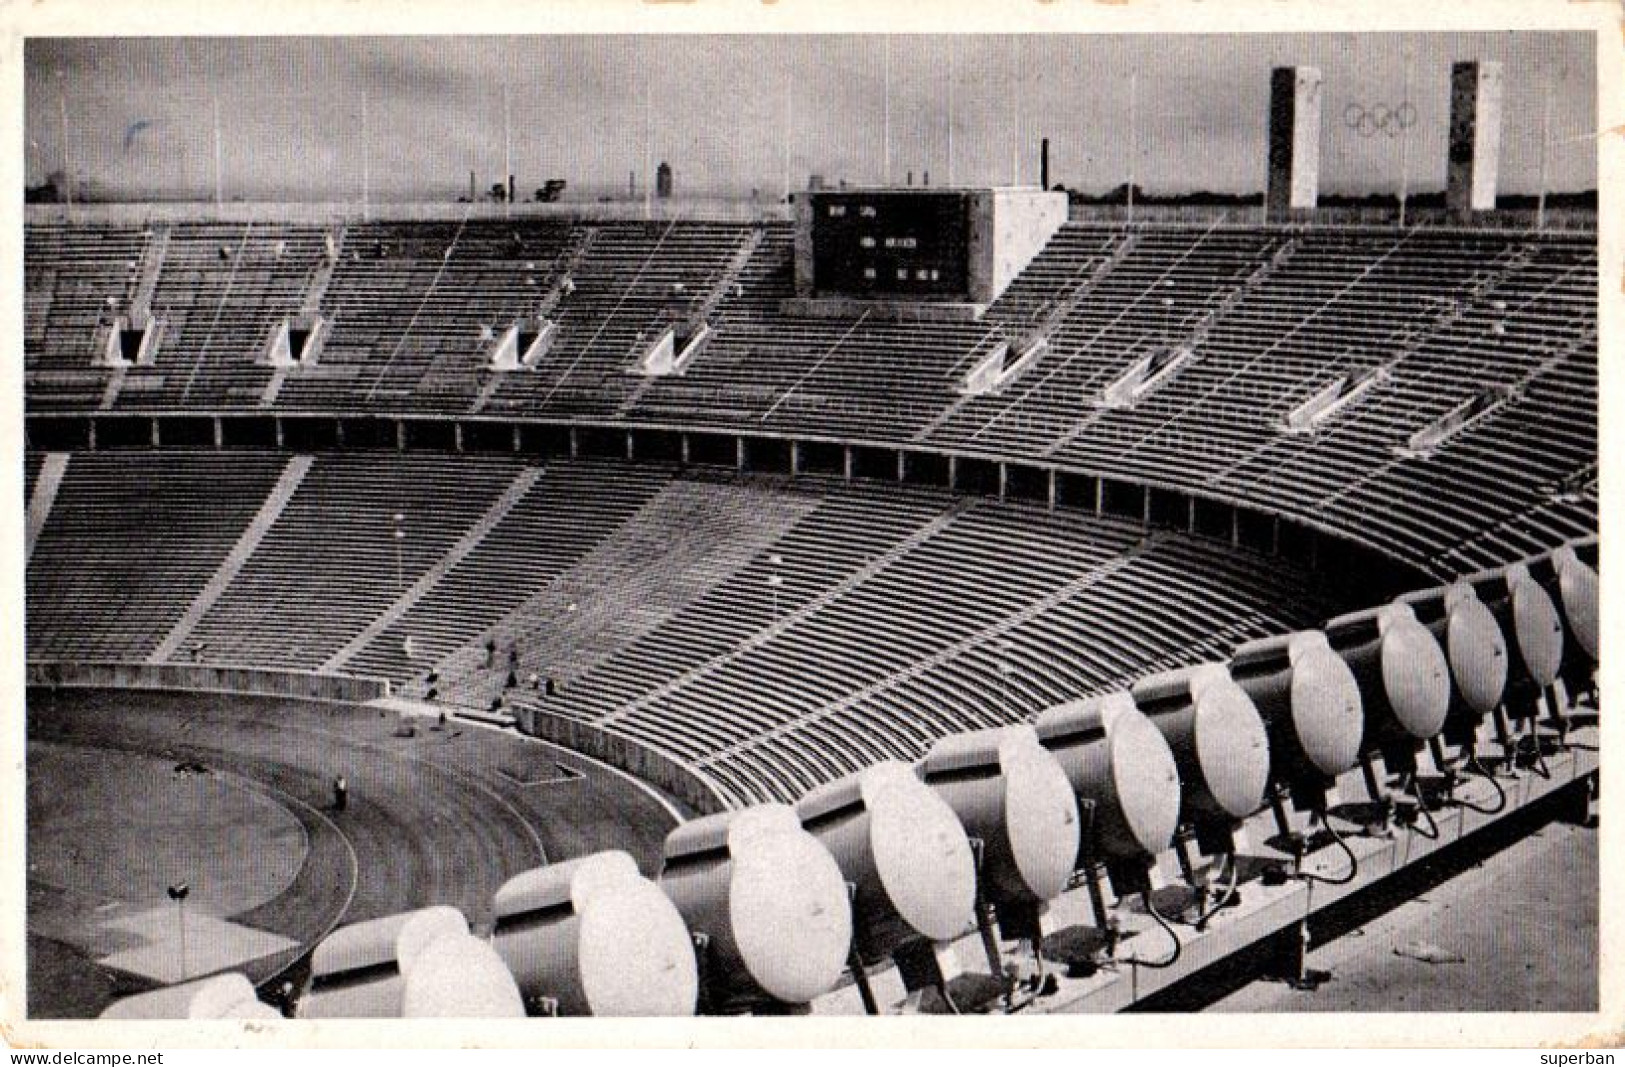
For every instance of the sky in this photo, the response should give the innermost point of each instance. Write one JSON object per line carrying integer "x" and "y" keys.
{"x": 319, "y": 118}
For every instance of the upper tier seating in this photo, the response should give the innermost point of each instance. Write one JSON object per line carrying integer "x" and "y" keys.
{"x": 220, "y": 291}
{"x": 75, "y": 279}
{"x": 1264, "y": 317}
{"x": 32, "y": 463}
{"x": 630, "y": 282}
{"x": 762, "y": 370}
{"x": 412, "y": 308}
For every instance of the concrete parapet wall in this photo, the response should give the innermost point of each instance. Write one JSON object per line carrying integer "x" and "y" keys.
{"x": 679, "y": 780}
{"x": 207, "y": 678}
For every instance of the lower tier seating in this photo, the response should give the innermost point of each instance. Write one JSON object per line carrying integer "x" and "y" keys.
{"x": 769, "y": 633}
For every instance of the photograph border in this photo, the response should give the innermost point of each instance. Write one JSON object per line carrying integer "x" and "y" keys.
{"x": 20, "y": 21}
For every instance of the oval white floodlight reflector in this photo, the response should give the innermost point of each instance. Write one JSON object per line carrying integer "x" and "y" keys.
{"x": 1577, "y": 586}
{"x": 357, "y": 945}
{"x": 903, "y": 853}
{"x": 254, "y": 1009}
{"x": 225, "y": 996}
{"x": 1232, "y": 745}
{"x": 542, "y": 888}
{"x": 1144, "y": 777}
{"x": 762, "y": 821}
{"x": 587, "y": 934}
{"x": 1537, "y": 626}
{"x": 1041, "y": 814}
{"x": 1328, "y": 718}
{"x": 220, "y": 996}
{"x": 921, "y": 854}
{"x": 1121, "y": 770}
{"x": 354, "y": 973}
{"x": 1070, "y": 730}
{"x": 792, "y": 922}
{"x": 231, "y": 1000}
{"x": 634, "y": 952}
{"x": 459, "y": 976}
{"x": 1475, "y": 648}
{"x": 424, "y": 928}
{"x": 1113, "y": 704}
{"x": 602, "y": 872}
{"x": 535, "y": 932}
{"x": 1415, "y": 675}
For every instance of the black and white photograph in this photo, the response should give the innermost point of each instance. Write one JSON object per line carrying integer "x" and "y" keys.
{"x": 657, "y": 519}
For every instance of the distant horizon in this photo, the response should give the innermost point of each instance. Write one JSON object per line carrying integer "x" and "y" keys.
{"x": 1414, "y": 197}
{"x": 405, "y": 119}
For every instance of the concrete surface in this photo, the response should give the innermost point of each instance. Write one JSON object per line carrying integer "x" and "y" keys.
{"x": 1523, "y": 919}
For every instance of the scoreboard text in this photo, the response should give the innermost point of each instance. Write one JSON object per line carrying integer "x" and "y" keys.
{"x": 883, "y": 244}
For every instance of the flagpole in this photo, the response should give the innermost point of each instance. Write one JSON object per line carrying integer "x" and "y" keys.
{"x": 507, "y": 154}
{"x": 67, "y": 165}
{"x": 1405, "y": 146}
{"x": 1545, "y": 142}
{"x": 885, "y": 113}
{"x": 366, "y": 163}
{"x": 648, "y": 150}
{"x": 789, "y": 125}
{"x": 1133, "y": 136}
{"x": 219, "y": 194}
{"x": 1015, "y": 126}
{"x": 951, "y": 56}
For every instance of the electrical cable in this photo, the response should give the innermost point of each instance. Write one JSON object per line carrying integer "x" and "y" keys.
{"x": 1354, "y": 861}
{"x": 1414, "y": 787}
{"x": 1173, "y": 958}
{"x": 1533, "y": 737}
{"x": 1223, "y": 900}
{"x": 1472, "y": 764}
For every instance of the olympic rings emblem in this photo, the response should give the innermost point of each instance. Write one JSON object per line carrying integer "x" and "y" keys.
{"x": 1380, "y": 118}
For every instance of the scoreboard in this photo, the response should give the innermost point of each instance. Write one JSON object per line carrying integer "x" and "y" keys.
{"x": 915, "y": 252}
{"x": 891, "y": 244}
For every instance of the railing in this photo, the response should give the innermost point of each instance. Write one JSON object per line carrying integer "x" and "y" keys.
{"x": 1251, "y": 216}
{"x": 705, "y": 210}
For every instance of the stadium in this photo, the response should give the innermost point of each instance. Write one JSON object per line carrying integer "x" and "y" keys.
{"x": 971, "y": 597}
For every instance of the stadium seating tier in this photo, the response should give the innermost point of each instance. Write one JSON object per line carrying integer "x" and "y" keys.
{"x": 1266, "y": 317}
